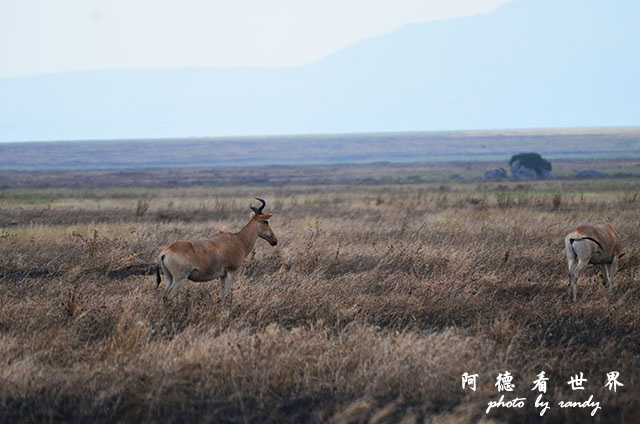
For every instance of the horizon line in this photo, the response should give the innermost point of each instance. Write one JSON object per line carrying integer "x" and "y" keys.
{"x": 220, "y": 138}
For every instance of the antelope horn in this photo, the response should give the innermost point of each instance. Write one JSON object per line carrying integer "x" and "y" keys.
{"x": 258, "y": 211}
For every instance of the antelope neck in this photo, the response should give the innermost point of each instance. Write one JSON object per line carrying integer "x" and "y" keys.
{"x": 248, "y": 236}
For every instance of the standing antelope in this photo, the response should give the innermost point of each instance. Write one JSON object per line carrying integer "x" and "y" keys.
{"x": 217, "y": 257}
{"x": 597, "y": 244}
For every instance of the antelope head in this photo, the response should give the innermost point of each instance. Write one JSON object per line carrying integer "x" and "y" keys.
{"x": 263, "y": 228}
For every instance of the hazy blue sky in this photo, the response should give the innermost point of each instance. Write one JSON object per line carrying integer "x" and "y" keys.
{"x": 44, "y": 36}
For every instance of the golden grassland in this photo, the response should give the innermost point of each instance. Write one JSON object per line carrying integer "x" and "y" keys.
{"x": 374, "y": 303}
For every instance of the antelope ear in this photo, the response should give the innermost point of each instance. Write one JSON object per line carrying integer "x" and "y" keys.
{"x": 267, "y": 216}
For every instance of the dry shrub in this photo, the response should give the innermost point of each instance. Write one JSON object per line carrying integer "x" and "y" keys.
{"x": 142, "y": 206}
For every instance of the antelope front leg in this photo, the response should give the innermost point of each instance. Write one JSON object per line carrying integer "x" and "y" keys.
{"x": 605, "y": 274}
{"x": 228, "y": 282}
{"x": 222, "y": 279}
{"x": 612, "y": 271}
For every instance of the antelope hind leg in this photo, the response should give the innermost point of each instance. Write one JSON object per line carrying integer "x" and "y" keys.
{"x": 573, "y": 277}
{"x": 576, "y": 272}
{"x": 167, "y": 276}
{"x": 572, "y": 262}
{"x": 175, "y": 287}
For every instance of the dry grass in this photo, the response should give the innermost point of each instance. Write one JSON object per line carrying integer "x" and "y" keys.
{"x": 374, "y": 303}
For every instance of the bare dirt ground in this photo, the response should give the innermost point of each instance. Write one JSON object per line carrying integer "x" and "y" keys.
{"x": 376, "y": 300}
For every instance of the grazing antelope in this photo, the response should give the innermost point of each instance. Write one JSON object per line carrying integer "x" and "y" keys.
{"x": 597, "y": 244}
{"x": 217, "y": 257}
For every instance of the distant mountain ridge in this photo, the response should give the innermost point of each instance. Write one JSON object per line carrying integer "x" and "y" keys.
{"x": 528, "y": 64}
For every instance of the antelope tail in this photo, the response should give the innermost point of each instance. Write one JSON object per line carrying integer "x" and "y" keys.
{"x": 585, "y": 238}
{"x": 158, "y": 278}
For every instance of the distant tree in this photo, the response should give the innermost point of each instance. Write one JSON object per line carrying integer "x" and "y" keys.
{"x": 532, "y": 161}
